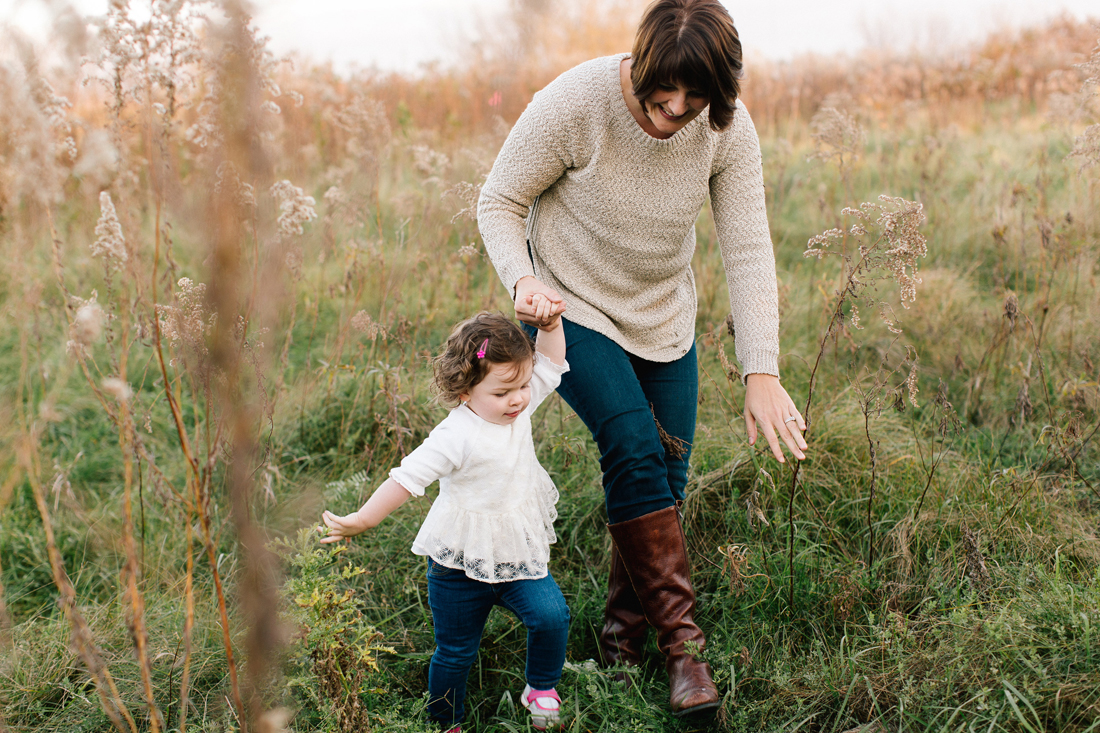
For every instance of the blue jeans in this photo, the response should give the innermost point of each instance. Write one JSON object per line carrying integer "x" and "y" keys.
{"x": 621, "y": 398}
{"x": 460, "y": 605}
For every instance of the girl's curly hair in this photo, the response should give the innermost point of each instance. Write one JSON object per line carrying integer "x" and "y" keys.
{"x": 458, "y": 369}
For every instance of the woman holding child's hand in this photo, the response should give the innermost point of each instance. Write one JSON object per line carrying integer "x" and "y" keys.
{"x": 591, "y": 206}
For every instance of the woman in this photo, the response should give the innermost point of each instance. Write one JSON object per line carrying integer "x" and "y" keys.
{"x": 592, "y": 203}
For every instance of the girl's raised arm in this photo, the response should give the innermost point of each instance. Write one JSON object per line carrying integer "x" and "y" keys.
{"x": 380, "y": 505}
{"x": 547, "y": 319}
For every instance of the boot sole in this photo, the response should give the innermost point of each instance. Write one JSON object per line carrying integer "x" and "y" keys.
{"x": 697, "y": 710}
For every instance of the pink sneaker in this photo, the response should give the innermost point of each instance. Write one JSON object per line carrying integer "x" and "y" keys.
{"x": 545, "y": 707}
{"x": 456, "y": 729}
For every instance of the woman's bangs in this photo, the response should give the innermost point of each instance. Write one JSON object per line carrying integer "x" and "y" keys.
{"x": 686, "y": 68}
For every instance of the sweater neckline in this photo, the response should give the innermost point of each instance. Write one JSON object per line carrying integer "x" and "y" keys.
{"x": 624, "y": 114}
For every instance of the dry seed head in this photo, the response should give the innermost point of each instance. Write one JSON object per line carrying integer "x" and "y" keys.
{"x": 431, "y": 164}
{"x": 1011, "y": 307}
{"x": 888, "y": 318}
{"x": 188, "y": 321}
{"x": 118, "y": 389}
{"x": 975, "y": 563}
{"x": 296, "y": 208}
{"x": 109, "y": 243}
{"x": 753, "y": 510}
{"x": 469, "y": 193}
{"x": 363, "y": 323}
{"x": 736, "y": 560}
{"x": 87, "y": 325}
{"x": 900, "y": 226}
{"x": 229, "y": 182}
{"x": 335, "y": 198}
{"x": 835, "y": 132}
{"x": 911, "y": 385}
{"x": 1023, "y": 408}
{"x": 1087, "y": 147}
{"x": 854, "y": 319}
{"x": 294, "y": 260}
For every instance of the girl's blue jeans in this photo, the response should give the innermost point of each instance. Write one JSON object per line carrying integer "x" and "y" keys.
{"x": 621, "y": 398}
{"x": 460, "y": 605}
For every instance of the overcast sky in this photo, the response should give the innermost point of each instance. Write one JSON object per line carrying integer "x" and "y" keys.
{"x": 402, "y": 34}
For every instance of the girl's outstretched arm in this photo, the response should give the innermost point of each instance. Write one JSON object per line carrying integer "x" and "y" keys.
{"x": 382, "y": 502}
{"x": 551, "y": 339}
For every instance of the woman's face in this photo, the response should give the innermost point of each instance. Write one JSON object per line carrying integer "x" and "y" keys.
{"x": 671, "y": 106}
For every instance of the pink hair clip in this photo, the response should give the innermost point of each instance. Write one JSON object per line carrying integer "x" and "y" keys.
{"x": 481, "y": 351}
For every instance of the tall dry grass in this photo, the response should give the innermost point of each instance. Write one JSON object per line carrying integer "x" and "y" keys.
{"x": 225, "y": 275}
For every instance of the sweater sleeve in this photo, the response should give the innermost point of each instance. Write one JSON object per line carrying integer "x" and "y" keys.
{"x": 741, "y": 222}
{"x": 439, "y": 455}
{"x": 538, "y": 150}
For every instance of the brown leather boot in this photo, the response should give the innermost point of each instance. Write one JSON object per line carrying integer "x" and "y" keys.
{"x": 654, "y": 552}
{"x": 624, "y": 628}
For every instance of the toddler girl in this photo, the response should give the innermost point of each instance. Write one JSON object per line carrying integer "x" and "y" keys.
{"x": 487, "y": 537}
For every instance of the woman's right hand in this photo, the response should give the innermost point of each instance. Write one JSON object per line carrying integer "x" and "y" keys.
{"x": 527, "y": 311}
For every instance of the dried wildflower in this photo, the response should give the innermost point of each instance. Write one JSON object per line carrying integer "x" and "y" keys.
{"x": 269, "y": 106}
{"x": 848, "y": 594}
{"x": 911, "y": 385}
{"x": 118, "y": 389}
{"x": 188, "y": 322}
{"x": 54, "y": 108}
{"x": 753, "y": 510}
{"x": 1087, "y": 147}
{"x": 818, "y": 245}
{"x": 228, "y": 182}
{"x": 363, "y": 323}
{"x": 469, "y": 250}
{"x": 1011, "y": 308}
{"x": 744, "y": 657}
{"x": 975, "y": 562}
{"x": 854, "y": 317}
{"x": 294, "y": 260}
{"x": 296, "y": 208}
{"x": 87, "y": 325}
{"x": 897, "y": 245}
{"x": 732, "y": 373}
{"x": 729, "y": 326}
{"x": 335, "y": 198}
{"x": 676, "y": 447}
{"x": 367, "y": 125}
{"x": 469, "y": 193}
{"x": 1023, "y": 408}
{"x": 431, "y": 164}
{"x": 735, "y": 560}
{"x": 949, "y": 422}
{"x": 109, "y": 243}
{"x": 836, "y": 133}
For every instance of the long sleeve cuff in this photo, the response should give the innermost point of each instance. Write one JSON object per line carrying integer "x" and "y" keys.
{"x": 760, "y": 362}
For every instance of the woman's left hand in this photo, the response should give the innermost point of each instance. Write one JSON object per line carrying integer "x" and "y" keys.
{"x": 769, "y": 409}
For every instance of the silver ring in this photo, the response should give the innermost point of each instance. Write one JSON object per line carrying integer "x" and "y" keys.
{"x": 789, "y": 419}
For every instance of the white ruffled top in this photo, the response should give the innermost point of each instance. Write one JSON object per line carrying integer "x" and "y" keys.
{"x": 494, "y": 518}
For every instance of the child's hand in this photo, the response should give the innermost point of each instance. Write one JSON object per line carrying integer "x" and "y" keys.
{"x": 547, "y": 313}
{"x": 340, "y": 528}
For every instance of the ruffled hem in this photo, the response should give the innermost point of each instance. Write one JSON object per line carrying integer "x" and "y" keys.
{"x": 492, "y": 548}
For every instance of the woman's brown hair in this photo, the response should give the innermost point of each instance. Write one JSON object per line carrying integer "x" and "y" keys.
{"x": 459, "y": 368}
{"x": 692, "y": 43}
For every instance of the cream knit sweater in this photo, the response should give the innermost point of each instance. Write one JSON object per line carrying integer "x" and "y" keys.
{"x": 609, "y": 213}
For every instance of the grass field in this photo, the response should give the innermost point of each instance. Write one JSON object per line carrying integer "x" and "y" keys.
{"x": 224, "y": 277}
